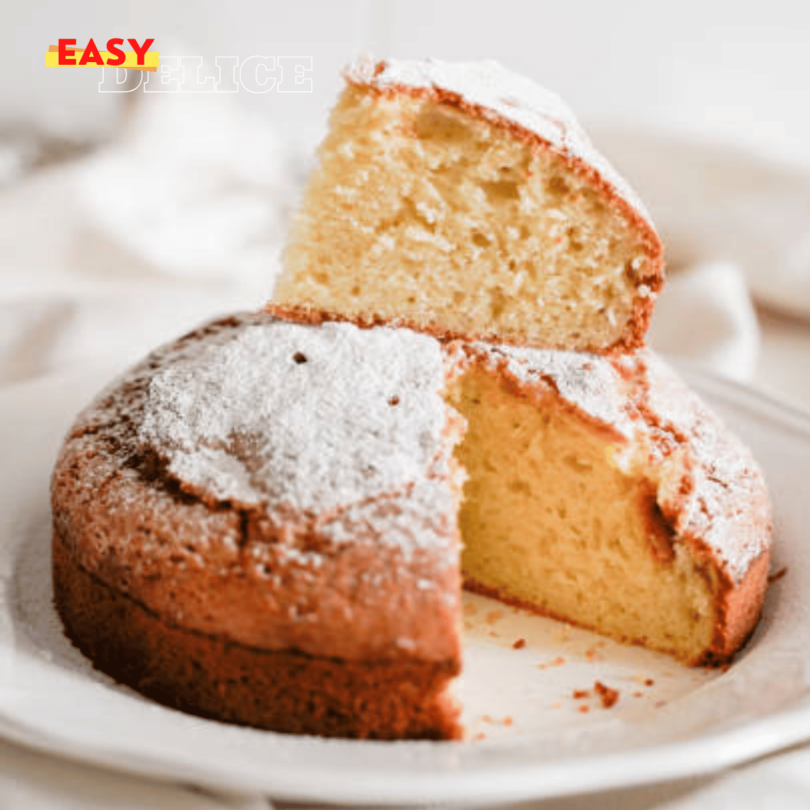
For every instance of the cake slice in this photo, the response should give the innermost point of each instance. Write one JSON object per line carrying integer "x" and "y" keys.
{"x": 607, "y": 494}
{"x": 261, "y": 522}
{"x": 466, "y": 200}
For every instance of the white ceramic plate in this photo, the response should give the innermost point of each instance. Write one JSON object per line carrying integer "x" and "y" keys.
{"x": 529, "y": 736}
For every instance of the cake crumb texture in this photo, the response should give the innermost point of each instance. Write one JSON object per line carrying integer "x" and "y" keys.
{"x": 466, "y": 199}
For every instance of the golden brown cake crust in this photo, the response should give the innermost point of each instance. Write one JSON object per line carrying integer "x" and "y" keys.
{"x": 309, "y": 594}
{"x": 276, "y": 579}
{"x": 586, "y": 163}
{"x": 282, "y": 691}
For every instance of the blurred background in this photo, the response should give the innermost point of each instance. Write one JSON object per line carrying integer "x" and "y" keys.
{"x": 126, "y": 217}
{"x": 736, "y": 69}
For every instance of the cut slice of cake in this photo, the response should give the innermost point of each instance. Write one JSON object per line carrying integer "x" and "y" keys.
{"x": 260, "y": 522}
{"x": 466, "y": 200}
{"x": 607, "y": 494}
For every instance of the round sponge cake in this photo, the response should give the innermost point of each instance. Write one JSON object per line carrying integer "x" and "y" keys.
{"x": 262, "y": 521}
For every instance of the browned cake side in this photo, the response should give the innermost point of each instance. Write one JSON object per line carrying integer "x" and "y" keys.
{"x": 278, "y": 690}
{"x": 344, "y": 622}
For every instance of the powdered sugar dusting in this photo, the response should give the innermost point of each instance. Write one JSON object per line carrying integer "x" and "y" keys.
{"x": 707, "y": 481}
{"x": 508, "y": 95}
{"x": 587, "y": 381}
{"x": 422, "y": 518}
{"x": 348, "y": 427}
{"x": 310, "y": 418}
{"x": 726, "y": 506}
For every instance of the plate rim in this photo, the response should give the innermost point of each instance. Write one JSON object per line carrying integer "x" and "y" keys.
{"x": 691, "y": 757}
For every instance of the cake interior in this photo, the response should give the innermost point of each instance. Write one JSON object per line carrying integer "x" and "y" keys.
{"x": 419, "y": 211}
{"x": 548, "y": 521}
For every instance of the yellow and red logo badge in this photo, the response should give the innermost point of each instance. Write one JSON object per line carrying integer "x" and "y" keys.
{"x": 66, "y": 54}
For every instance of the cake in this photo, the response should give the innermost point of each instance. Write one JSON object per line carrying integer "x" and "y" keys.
{"x": 263, "y": 522}
{"x": 257, "y": 524}
{"x": 463, "y": 199}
